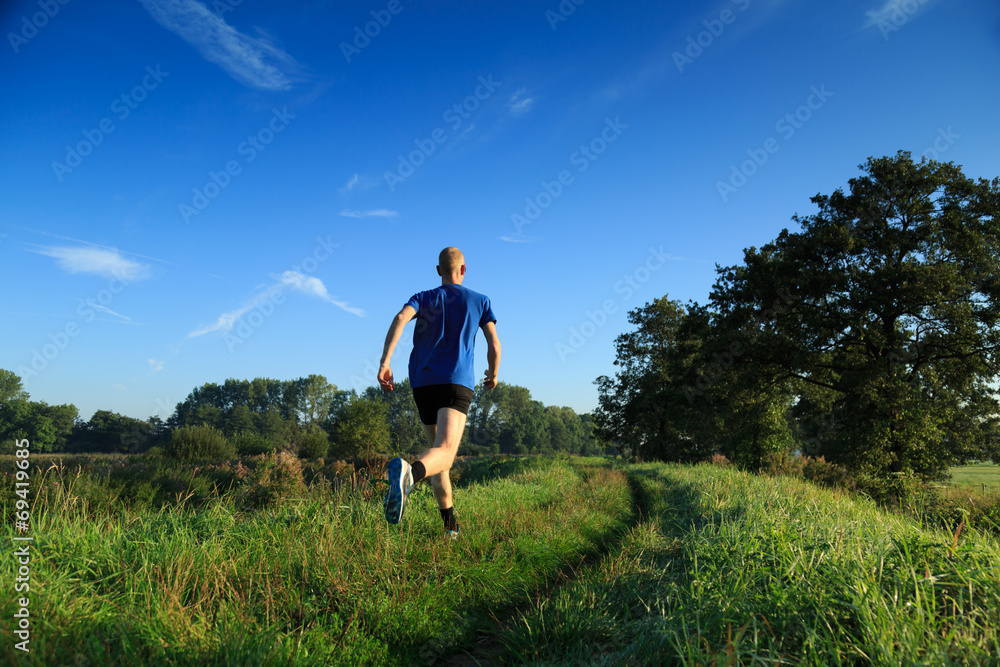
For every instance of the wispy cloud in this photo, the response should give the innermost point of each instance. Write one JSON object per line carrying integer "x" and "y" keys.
{"x": 154, "y": 366}
{"x": 227, "y": 321}
{"x": 288, "y": 280}
{"x": 105, "y": 262}
{"x": 521, "y": 106}
{"x": 218, "y": 277}
{"x": 895, "y": 10}
{"x": 95, "y": 245}
{"x": 315, "y": 287}
{"x": 253, "y": 61}
{"x": 466, "y": 131}
{"x": 518, "y": 103}
{"x": 357, "y": 182}
{"x": 118, "y": 317}
{"x": 518, "y": 239}
{"x": 351, "y": 183}
{"x": 104, "y": 309}
{"x": 377, "y": 213}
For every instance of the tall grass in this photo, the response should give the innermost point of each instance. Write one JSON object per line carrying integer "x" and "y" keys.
{"x": 730, "y": 568}
{"x": 559, "y": 562}
{"x": 316, "y": 580}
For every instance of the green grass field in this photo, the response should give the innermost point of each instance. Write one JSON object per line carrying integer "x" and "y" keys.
{"x": 560, "y": 562}
{"x": 977, "y": 476}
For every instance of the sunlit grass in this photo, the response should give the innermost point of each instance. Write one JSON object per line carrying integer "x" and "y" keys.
{"x": 560, "y": 561}
{"x": 321, "y": 581}
{"x": 729, "y": 568}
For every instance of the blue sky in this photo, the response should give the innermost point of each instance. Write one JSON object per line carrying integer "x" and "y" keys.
{"x": 195, "y": 191}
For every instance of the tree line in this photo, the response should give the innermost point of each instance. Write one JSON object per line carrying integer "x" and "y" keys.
{"x": 307, "y": 415}
{"x": 869, "y": 337}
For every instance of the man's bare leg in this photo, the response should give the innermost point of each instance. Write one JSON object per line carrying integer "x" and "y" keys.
{"x": 447, "y": 436}
{"x": 440, "y": 482}
{"x": 444, "y": 438}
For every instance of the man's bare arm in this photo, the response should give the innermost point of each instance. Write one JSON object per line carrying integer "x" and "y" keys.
{"x": 391, "y": 338}
{"x": 492, "y": 354}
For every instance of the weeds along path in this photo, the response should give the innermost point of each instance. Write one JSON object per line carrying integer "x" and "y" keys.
{"x": 730, "y": 568}
{"x": 321, "y": 581}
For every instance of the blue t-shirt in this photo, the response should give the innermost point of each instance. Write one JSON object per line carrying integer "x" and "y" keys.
{"x": 444, "y": 337}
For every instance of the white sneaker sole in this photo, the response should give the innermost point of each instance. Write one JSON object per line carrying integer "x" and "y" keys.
{"x": 400, "y": 482}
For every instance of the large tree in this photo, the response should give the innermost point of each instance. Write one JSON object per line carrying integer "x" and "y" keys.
{"x": 273, "y": 408}
{"x": 884, "y": 309}
{"x": 507, "y": 420}
{"x": 15, "y": 410}
{"x": 645, "y": 410}
{"x": 406, "y": 431}
{"x": 517, "y": 420}
{"x": 313, "y": 397}
{"x": 11, "y": 387}
{"x": 482, "y": 431}
{"x": 46, "y": 427}
{"x": 685, "y": 391}
{"x": 361, "y": 428}
{"x": 111, "y": 432}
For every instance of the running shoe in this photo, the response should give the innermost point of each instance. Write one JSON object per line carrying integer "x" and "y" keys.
{"x": 453, "y": 534}
{"x": 400, "y": 483}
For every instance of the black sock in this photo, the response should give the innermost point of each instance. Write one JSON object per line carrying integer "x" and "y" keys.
{"x": 418, "y": 471}
{"x": 449, "y": 519}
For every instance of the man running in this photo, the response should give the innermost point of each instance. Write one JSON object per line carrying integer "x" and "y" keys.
{"x": 442, "y": 378}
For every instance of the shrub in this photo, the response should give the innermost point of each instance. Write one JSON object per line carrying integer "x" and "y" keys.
{"x": 139, "y": 494}
{"x": 274, "y": 477}
{"x": 342, "y": 469}
{"x": 314, "y": 444}
{"x": 821, "y": 471}
{"x": 785, "y": 463}
{"x": 251, "y": 443}
{"x": 719, "y": 460}
{"x": 192, "y": 443}
{"x": 894, "y": 491}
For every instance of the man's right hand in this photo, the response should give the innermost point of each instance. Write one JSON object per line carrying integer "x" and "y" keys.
{"x": 490, "y": 381}
{"x": 385, "y": 378}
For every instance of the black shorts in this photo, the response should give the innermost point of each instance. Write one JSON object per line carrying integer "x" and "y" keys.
{"x": 433, "y": 397}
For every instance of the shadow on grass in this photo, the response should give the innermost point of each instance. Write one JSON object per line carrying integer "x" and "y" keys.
{"x": 484, "y": 469}
{"x": 472, "y": 631}
{"x": 491, "y": 634}
{"x": 592, "y": 618}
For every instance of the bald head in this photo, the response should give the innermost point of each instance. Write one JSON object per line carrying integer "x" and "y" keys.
{"x": 451, "y": 265}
